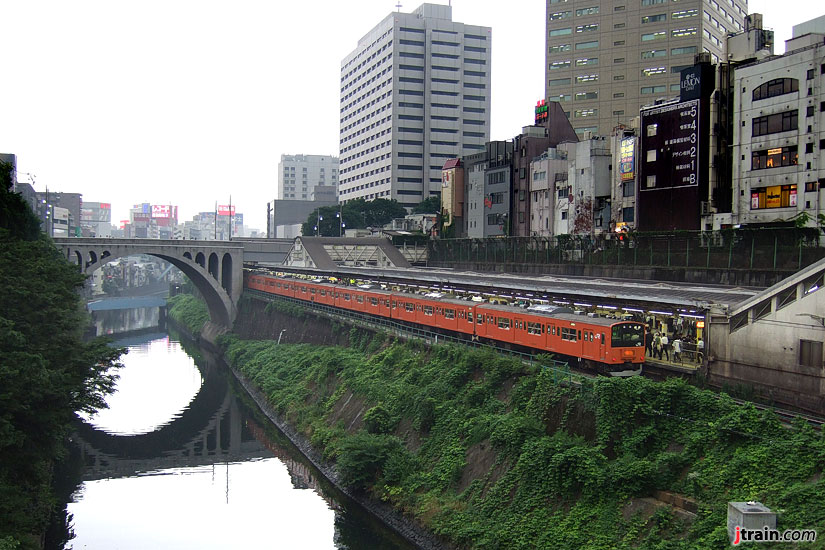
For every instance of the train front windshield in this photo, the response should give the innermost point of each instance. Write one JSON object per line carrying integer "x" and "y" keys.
{"x": 627, "y": 335}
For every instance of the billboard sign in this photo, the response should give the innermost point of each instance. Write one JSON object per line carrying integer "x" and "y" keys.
{"x": 627, "y": 165}
{"x": 670, "y": 151}
{"x": 224, "y": 210}
{"x": 160, "y": 210}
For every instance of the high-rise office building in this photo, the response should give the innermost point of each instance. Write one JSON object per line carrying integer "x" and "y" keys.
{"x": 299, "y": 175}
{"x": 605, "y": 59}
{"x": 414, "y": 94}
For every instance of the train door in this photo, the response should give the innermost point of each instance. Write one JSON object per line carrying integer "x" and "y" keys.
{"x": 602, "y": 347}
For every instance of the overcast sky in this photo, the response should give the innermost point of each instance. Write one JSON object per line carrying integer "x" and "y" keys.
{"x": 187, "y": 102}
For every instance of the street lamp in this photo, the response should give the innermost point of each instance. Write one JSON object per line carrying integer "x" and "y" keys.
{"x": 283, "y": 330}
{"x": 318, "y": 227}
{"x": 340, "y": 223}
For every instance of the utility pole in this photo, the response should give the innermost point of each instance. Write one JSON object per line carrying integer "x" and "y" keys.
{"x": 230, "y": 217}
{"x": 216, "y": 220}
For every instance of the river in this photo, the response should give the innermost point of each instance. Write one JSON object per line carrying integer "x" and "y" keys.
{"x": 184, "y": 459}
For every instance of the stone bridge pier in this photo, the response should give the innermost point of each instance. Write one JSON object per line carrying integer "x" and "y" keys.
{"x": 214, "y": 267}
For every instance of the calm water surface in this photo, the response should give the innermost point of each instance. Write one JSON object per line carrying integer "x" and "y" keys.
{"x": 181, "y": 460}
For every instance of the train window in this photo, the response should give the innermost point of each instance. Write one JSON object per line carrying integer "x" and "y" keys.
{"x": 449, "y": 313}
{"x": 533, "y": 328}
{"x": 626, "y": 335}
{"x": 568, "y": 334}
{"x": 428, "y": 310}
{"x": 359, "y": 299}
{"x": 346, "y": 296}
{"x": 470, "y": 316}
{"x": 374, "y": 301}
{"x": 580, "y": 335}
{"x": 409, "y": 307}
{"x": 480, "y": 319}
{"x": 603, "y": 338}
{"x": 504, "y": 323}
{"x": 393, "y": 304}
{"x": 323, "y": 292}
{"x": 303, "y": 289}
{"x": 312, "y": 291}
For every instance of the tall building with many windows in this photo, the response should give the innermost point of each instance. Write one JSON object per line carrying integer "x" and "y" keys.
{"x": 299, "y": 175}
{"x": 414, "y": 94}
{"x": 605, "y": 59}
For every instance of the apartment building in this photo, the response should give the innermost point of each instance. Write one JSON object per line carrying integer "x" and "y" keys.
{"x": 779, "y": 151}
{"x": 414, "y": 94}
{"x": 605, "y": 59}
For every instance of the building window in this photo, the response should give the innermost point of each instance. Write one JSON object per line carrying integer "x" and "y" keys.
{"x": 619, "y": 60}
{"x": 809, "y": 111}
{"x": 560, "y": 65}
{"x": 810, "y": 74}
{"x": 650, "y": 54}
{"x": 628, "y": 188}
{"x": 618, "y": 94}
{"x": 587, "y": 45}
{"x": 618, "y": 77}
{"x": 582, "y": 113}
{"x": 681, "y": 33}
{"x": 628, "y": 214}
{"x": 772, "y": 124}
{"x": 587, "y": 28}
{"x": 560, "y": 15}
{"x": 619, "y": 26}
{"x": 684, "y": 13}
{"x": 774, "y": 158}
{"x": 618, "y": 43}
{"x": 561, "y": 32}
{"x": 773, "y": 88}
{"x": 651, "y": 71}
{"x": 684, "y": 50}
{"x": 810, "y": 353}
{"x": 581, "y": 96}
{"x": 654, "y": 36}
{"x": 588, "y": 11}
{"x": 651, "y": 181}
{"x": 560, "y": 48}
{"x": 653, "y": 89}
{"x": 587, "y": 61}
{"x": 558, "y": 82}
{"x": 654, "y": 18}
{"x": 587, "y": 78}
{"x": 775, "y": 196}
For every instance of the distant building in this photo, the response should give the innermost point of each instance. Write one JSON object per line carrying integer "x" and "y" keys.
{"x": 414, "y": 94}
{"x": 487, "y": 187}
{"x": 48, "y": 201}
{"x": 96, "y": 219}
{"x": 299, "y": 175}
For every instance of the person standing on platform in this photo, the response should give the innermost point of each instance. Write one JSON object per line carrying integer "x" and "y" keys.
{"x": 700, "y": 350}
{"x": 657, "y": 345}
{"x": 649, "y": 343}
{"x": 677, "y": 350}
{"x": 665, "y": 346}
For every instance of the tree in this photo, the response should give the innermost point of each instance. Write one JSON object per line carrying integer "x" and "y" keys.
{"x": 15, "y": 215}
{"x": 431, "y": 205}
{"x": 357, "y": 214}
{"x": 47, "y": 371}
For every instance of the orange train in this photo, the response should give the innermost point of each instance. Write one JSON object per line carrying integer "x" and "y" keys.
{"x": 609, "y": 346}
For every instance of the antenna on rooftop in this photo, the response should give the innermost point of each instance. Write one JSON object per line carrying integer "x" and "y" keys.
{"x": 398, "y": 5}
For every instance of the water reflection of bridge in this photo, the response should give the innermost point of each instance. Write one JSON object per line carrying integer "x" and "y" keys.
{"x": 213, "y": 429}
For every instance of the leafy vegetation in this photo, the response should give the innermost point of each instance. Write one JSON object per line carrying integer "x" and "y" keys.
{"x": 489, "y": 454}
{"x": 189, "y": 312}
{"x": 356, "y": 214}
{"x": 47, "y": 371}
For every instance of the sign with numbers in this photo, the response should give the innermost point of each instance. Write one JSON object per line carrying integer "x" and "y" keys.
{"x": 670, "y": 146}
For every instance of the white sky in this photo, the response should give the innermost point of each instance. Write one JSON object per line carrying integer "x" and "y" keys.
{"x": 188, "y": 102}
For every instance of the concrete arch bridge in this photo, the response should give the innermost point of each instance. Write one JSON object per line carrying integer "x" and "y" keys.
{"x": 214, "y": 267}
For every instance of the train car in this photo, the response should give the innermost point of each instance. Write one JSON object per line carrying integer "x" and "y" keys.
{"x": 610, "y": 346}
{"x": 377, "y": 302}
{"x": 406, "y": 307}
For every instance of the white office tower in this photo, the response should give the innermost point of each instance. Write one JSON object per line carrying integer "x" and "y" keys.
{"x": 414, "y": 93}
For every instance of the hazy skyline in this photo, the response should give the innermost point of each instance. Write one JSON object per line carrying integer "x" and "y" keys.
{"x": 187, "y": 103}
